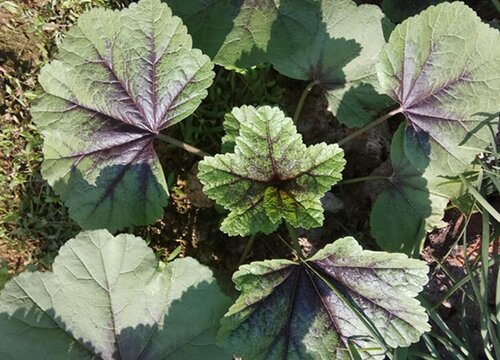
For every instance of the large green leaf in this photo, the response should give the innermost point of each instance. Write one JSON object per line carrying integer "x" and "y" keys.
{"x": 290, "y": 310}
{"x": 332, "y": 42}
{"x": 340, "y": 56}
{"x": 120, "y": 78}
{"x": 239, "y": 33}
{"x": 271, "y": 175}
{"x": 443, "y": 67}
{"x": 399, "y": 10}
{"x": 107, "y": 299}
{"x": 413, "y": 203}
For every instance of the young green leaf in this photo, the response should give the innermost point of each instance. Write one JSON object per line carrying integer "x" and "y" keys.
{"x": 290, "y": 310}
{"x": 340, "y": 56}
{"x": 271, "y": 176}
{"x": 413, "y": 203}
{"x": 107, "y": 299}
{"x": 120, "y": 78}
{"x": 443, "y": 67}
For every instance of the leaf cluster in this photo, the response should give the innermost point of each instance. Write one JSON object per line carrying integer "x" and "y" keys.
{"x": 123, "y": 78}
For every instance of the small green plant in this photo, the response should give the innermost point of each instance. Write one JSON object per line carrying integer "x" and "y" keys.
{"x": 122, "y": 79}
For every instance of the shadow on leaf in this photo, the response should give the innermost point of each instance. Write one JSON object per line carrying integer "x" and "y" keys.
{"x": 186, "y": 331}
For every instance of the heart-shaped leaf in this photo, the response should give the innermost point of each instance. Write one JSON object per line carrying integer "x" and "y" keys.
{"x": 413, "y": 203}
{"x": 340, "y": 56}
{"x": 290, "y": 310}
{"x": 239, "y": 33}
{"x": 443, "y": 67}
{"x": 120, "y": 78}
{"x": 107, "y": 299}
{"x": 271, "y": 175}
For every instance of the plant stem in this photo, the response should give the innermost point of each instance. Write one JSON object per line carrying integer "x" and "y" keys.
{"x": 248, "y": 247}
{"x": 302, "y": 99}
{"x": 189, "y": 148}
{"x": 362, "y": 179}
{"x": 294, "y": 238}
{"x": 497, "y": 4}
{"x": 368, "y": 126}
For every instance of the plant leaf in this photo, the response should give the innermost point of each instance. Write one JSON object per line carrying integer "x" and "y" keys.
{"x": 271, "y": 175}
{"x": 239, "y": 33}
{"x": 120, "y": 78}
{"x": 443, "y": 67}
{"x": 399, "y": 10}
{"x": 287, "y": 311}
{"x": 107, "y": 299}
{"x": 340, "y": 56}
{"x": 413, "y": 203}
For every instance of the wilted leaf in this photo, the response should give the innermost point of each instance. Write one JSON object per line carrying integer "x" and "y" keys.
{"x": 271, "y": 175}
{"x": 413, "y": 203}
{"x": 120, "y": 78}
{"x": 443, "y": 67}
{"x": 339, "y": 55}
{"x": 287, "y": 310}
{"x": 107, "y": 299}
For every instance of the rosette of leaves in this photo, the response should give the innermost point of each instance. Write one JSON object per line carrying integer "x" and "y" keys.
{"x": 108, "y": 299}
{"x": 413, "y": 202}
{"x": 271, "y": 176}
{"x": 315, "y": 309}
{"x": 120, "y": 79}
{"x": 443, "y": 68}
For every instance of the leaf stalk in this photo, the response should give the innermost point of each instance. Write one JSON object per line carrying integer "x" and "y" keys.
{"x": 368, "y": 126}
{"x": 189, "y": 148}
{"x": 248, "y": 247}
{"x": 302, "y": 99}
{"x": 362, "y": 179}
{"x": 294, "y": 239}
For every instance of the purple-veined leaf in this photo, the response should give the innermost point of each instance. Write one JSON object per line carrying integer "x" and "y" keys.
{"x": 289, "y": 310}
{"x": 120, "y": 78}
{"x": 271, "y": 175}
{"x": 108, "y": 299}
{"x": 443, "y": 67}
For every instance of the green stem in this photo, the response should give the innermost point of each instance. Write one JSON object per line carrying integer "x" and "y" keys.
{"x": 497, "y": 4}
{"x": 368, "y": 126}
{"x": 248, "y": 247}
{"x": 302, "y": 99}
{"x": 182, "y": 145}
{"x": 294, "y": 238}
{"x": 362, "y": 179}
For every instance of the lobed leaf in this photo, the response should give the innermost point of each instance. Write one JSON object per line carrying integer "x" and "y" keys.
{"x": 107, "y": 299}
{"x": 339, "y": 55}
{"x": 271, "y": 175}
{"x": 443, "y": 67}
{"x": 289, "y": 310}
{"x": 240, "y": 33}
{"x": 413, "y": 203}
{"x": 399, "y": 10}
{"x": 120, "y": 78}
